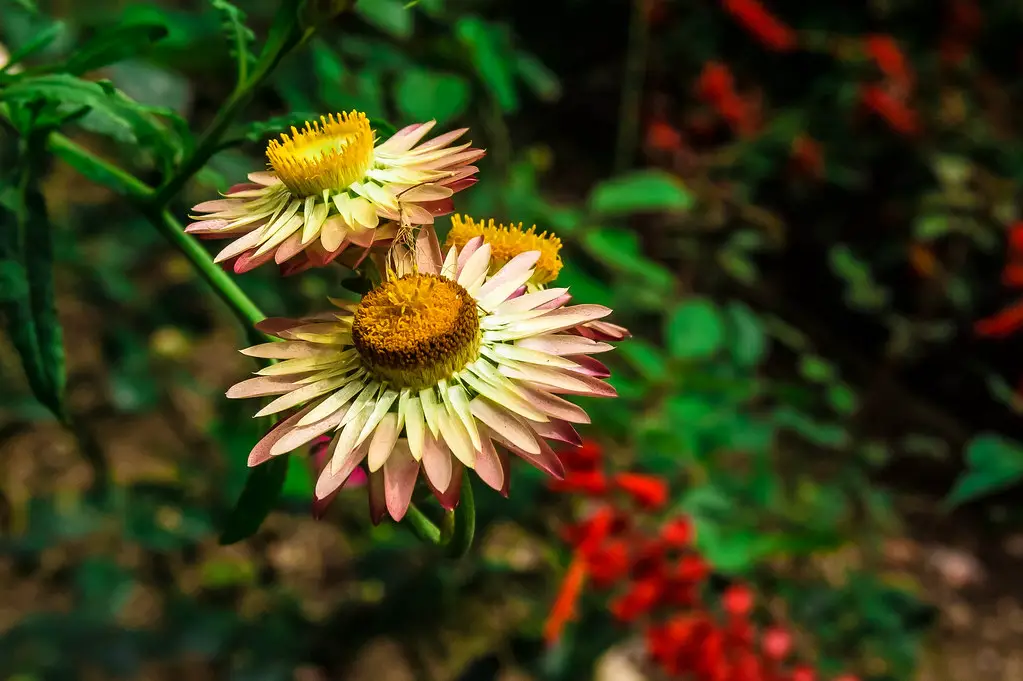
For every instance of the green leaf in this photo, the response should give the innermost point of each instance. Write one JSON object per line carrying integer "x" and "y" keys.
{"x": 748, "y": 340}
{"x": 693, "y": 330}
{"x": 239, "y": 36}
{"x": 817, "y": 369}
{"x": 40, "y": 42}
{"x": 488, "y": 49}
{"x": 647, "y": 190}
{"x": 390, "y": 16}
{"x": 993, "y": 463}
{"x": 111, "y": 112}
{"x": 113, "y": 45}
{"x": 645, "y": 358}
{"x": 32, "y": 320}
{"x": 298, "y": 483}
{"x": 263, "y": 488}
{"x": 423, "y": 95}
{"x": 541, "y": 80}
{"x": 619, "y": 249}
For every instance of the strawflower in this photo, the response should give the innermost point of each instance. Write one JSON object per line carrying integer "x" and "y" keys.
{"x": 329, "y": 187}
{"x": 510, "y": 241}
{"x": 432, "y": 369}
{"x": 764, "y": 26}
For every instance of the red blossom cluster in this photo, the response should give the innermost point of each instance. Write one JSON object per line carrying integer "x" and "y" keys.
{"x": 657, "y": 582}
{"x": 772, "y": 33}
{"x": 1009, "y": 320}
{"x": 889, "y": 98}
{"x": 716, "y": 87}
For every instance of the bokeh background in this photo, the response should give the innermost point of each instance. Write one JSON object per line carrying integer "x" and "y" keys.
{"x": 805, "y": 212}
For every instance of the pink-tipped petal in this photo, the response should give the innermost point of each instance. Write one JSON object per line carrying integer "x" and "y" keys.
{"x": 547, "y": 461}
{"x": 437, "y": 462}
{"x": 555, "y": 406}
{"x": 246, "y": 262}
{"x": 590, "y": 366}
{"x": 261, "y": 452}
{"x": 428, "y": 255}
{"x": 488, "y": 465}
{"x": 561, "y": 431}
{"x": 327, "y": 483}
{"x": 261, "y": 386}
{"x": 400, "y": 473}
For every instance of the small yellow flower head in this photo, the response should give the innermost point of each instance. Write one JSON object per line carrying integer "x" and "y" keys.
{"x": 508, "y": 241}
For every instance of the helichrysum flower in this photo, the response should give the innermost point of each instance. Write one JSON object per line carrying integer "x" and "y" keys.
{"x": 508, "y": 241}
{"x": 431, "y": 370}
{"x": 329, "y": 187}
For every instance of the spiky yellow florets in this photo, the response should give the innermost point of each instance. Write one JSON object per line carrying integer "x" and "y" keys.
{"x": 507, "y": 241}
{"x": 329, "y": 154}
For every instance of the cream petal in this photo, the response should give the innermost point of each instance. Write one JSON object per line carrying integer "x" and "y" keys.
{"x": 529, "y": 301}
{"x": 315, "y": 215}
{"x": 380, "y": 409}
{"x": 415, "y": 426}
{"x": 262, "y": 452}
{"x": 216, "y": 205}
{"x": 488, "y": 465}
{"x": 382, "y": 444}
{"x": 241, "y": 244}
{"x": 288, "y": 350}
{"x": 291, "y": 247}
{"x": 466, "y": 252}
{"x": 564, "y": 345}
{"x": 261, "y": 386}
{"x": 431, "y": 410}
{"x": 428, "y": 255}
{"x": 442, "y": 140}
{"x": 335, "y": 401}
{"x": 450, "y": 266}
{"x": 400, "y": 473}
{"x": 276, "y": 325}
{"x": 283, "y": 232}
{"x": 333, "y": 232}
{"x": 297, "y": 366}
{"x": 303, "y": 394}
{"x": 505, "y": 423}
{"x": 562, "y": 431}
{"x": 345, "y": 442}
{"x": 302, "y": 434}
{"x": 555, "y": 320}
{"x": 555, "y": 406}
{"x": 547, "y": 461}
{"x": 450, "y": 497}
{"x": 265, "y": 178}
{"x": 426, "y": 192}
{"x": 458, "y": 406}
{"x": 437, "y": 463}
{"x": 523, "y": 354}
{"x": 456, "y": 438}
{"x": 363, "y": 213}
{"x": 502, "y": 395}
{"x": 343, "y": 466}
{"x": 558, "y": 380}
{"x": 403, "y": 140}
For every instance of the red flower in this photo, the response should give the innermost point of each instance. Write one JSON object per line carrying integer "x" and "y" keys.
{"x": 899, "y": 117}
{"x": 737, "y": 600}
{"x": 661, "y": 136}
{"x": 889, "y": 59}
{"x": 586, "y": 482}
{"x": 764, "y": 26}
{"x": 586, "y": 456}
{"x": 564, "y": 604}
{"x": 776, "y": 643}
{"x": 649, "y": 491}
{"x": 638, "y": 600}
{"x": 610, "y": 563}
{"x": 678, "y": 533}
{"x": 1001, "y": 324}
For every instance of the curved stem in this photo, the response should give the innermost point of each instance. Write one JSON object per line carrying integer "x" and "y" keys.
{"x": 465, "y": 521}
{"x": 422, "y": 526}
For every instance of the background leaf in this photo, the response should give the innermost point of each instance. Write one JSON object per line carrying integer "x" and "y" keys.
{"x": 637, "y": 192}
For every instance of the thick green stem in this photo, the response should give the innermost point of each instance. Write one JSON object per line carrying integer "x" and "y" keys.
{"x": 465, "y": 521}
{"x": 422, "y": 526}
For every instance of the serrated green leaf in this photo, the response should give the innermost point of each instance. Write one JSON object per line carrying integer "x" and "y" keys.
{"x": 110, "y": 111}
{"x": 239, "y": 36}
{"x": 490, "y": 55}
{"x": 263, "y": 488}
{"x": 993, "y": 463}
{"x": 390, "y": 16}
{"x": 694, "y": 330}
{"x": 423, "y": 95}
{"x": 113, "y": 45}
{"x": 642, "y": 191}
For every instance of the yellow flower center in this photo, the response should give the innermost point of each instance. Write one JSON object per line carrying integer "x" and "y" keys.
{"x": 508, "y": 241}
{"x": 328, "y": 154}
{"x": 417, "y": 330}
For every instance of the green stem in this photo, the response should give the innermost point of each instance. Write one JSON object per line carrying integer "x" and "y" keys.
{"x": 422, "y": 526}
{"x": 285, "y": 37}
{"x": 465, "y": 521}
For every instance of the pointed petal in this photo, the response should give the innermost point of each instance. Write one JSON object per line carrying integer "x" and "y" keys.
{"x": 400, "y": 473}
